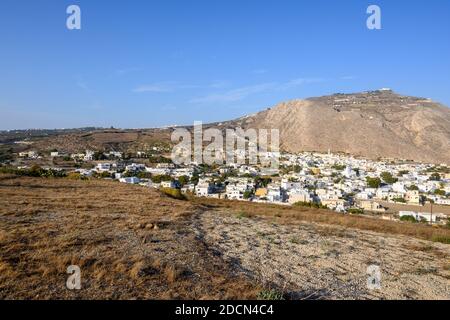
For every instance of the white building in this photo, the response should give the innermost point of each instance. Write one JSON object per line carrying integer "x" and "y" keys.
{"x": 204, "y": 189}
{"x": 426, "y": 216}
{"x": 168, "y": 184}
{"x": 103, "y": 167}
{"x": 130, "y": 180}
{"x": 89, "y": 155}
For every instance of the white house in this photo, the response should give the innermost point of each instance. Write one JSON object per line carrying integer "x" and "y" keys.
{"x": 289, "y": 185}
{"x": 130, "y": 180}
{"x": 399, "y": 187}
{"x": 204, "y": 189}
{"x": 299, "y": 195}
{"x": 427, "y": 216}
{"x": 135, "y": 167}
{"x": 443, "y": 201}
{"x": 103, "y": 167}
{"x": 89, "y": 155}
{"x": 168, "y": 184}
{"x": 274, "y": 193}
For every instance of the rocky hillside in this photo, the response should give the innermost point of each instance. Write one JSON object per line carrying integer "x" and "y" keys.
{"x": 372, "y": 124}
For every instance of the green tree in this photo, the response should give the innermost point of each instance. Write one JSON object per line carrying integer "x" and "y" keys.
{"x": 247, "y": 194}
{"x": 402, "y": 172}
{"x": 440, "y": 192}
{"x": 408, "y": 219}
{"x": 373, "y": 182}
{"x": 262, "y": 182}
{"x": 144, "y": 175}
{"x": 388, "y": 178}
{"x": 194, "y": 178}
{"x": 435, "y": 177}
{"x": 400, "y": 200}
{"x": 160, "y": 178}
{"x": 183, "y": 180}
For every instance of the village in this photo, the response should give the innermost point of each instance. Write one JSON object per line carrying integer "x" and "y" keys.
{"x": 385, "y": 189}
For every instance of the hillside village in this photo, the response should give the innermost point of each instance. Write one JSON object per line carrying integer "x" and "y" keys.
{"x": 386, "y": 189}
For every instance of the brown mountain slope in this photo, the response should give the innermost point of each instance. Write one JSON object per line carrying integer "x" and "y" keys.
{"x": 372, "y": 124}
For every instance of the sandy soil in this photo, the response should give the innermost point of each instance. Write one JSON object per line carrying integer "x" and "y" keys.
{"x": 324, "y": 262}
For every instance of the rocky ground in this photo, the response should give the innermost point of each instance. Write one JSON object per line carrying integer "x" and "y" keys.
{"x": 324, "y": 262}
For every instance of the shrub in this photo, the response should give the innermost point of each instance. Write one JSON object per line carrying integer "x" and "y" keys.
{"x": 355, "y": 211}
{"x": 440, "y": 192}
{"x": 270, "y": 294}
{"x": 173, "y": 193}
{"x": 401, "y": 200}
{"x": 388, "y": 178}
{"x": 441, "y": 239}
{"x": 435, "y": 177}
{"x": 242, "y": 215}
{"x": 160, "y": 178}
{"x": 408, "y": 219}
{"x": 373, "y": 182}
{"x": 310, "y": 205}
{"x": 74, "y": 176}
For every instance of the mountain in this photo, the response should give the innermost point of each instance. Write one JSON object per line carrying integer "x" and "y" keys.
{"x": 373, "y": 124}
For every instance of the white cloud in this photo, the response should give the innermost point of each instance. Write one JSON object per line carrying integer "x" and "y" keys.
{"x": 299, "y": 82}
{"x": 124, "y": 71}
{"x": 157, "y": 87}
{"x": 171, "y": 86}
{"x": 260, "y": 71}
{"x": 244, "y": 92}
{"x": 235, "y": 94}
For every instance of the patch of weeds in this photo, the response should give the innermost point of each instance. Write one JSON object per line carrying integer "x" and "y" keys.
{"x": 270, "y": 294}
{"x": 242, "y": 215}
{"x": 441, "y": 239}
{"x": 422, "y": 271}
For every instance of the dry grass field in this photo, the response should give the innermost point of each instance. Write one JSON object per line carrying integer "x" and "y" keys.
{"x": 130, "y": 243}
{"x": 136, "y": 243}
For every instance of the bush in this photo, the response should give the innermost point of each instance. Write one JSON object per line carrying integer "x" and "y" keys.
{"x": 144, "y": 175}
{"x": 34, "y": 171}
{"x": 74, "y": 176}
{"x": 441, "y": 239}
{"x": 400, "y": 200}
{"x": 270, "y": 294}
{"x": 160, "y": 178}
{"x": 388, "y": 178}
{"x": 355, "y": 211}
{"x": 173, "y": 193}
{"x": 310, "y": 205}
{"x": 440, "y": 192}
{"x": 373, "y": 182}
{"x": 435, "y": 177}
{"x": 408, "y": 219}
{"x": 242, "y": 215}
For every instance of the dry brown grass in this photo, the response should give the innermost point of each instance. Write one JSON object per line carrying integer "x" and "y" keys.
{"x": 130, "y": 243}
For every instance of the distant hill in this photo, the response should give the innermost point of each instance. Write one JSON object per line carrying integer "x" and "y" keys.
{"x": 372, "y": 124}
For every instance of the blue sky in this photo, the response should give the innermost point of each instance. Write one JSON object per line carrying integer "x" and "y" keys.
{"x": 138, "y": 64}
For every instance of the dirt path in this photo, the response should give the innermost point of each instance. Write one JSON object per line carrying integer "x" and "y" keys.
{"x": 324, "y": 262}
